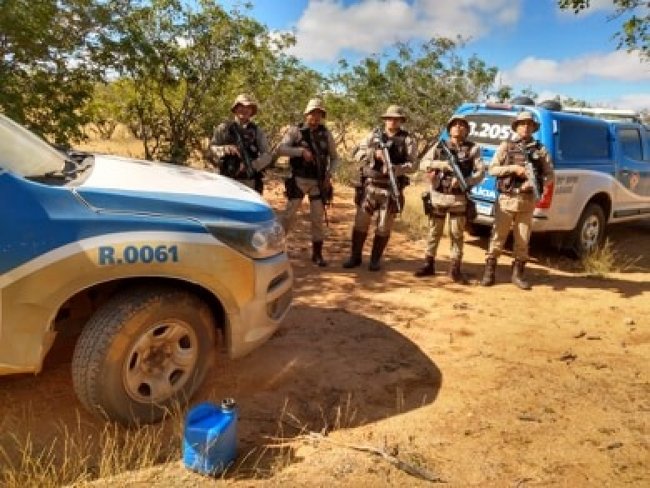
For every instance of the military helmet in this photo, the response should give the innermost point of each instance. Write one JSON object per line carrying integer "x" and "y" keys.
{"x": 315, "y": 104}
{"x": 457, "y": 118}
{"x": 523, "y": 117}
{"x": 394, "y": 112}
{"x": 245, "y": 100}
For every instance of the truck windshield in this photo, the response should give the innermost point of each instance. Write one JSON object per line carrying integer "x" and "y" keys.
{"x": 24, "y": 153}
{"x": 489, "y": 128}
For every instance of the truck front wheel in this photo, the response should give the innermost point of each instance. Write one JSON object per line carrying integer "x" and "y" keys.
{"x": 142, "y": 353}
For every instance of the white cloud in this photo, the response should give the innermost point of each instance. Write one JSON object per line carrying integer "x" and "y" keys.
{"x": 633, "y": 101}
{"x": 618, "y": 65}
{"x": 327, "y": 27}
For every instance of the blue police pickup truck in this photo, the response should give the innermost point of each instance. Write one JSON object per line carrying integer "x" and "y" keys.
{"x": 602, "y": 168}
{"x": 155, "y": 265}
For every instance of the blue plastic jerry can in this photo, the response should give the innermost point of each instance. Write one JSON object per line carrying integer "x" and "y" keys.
{"x": 210, "y": 438}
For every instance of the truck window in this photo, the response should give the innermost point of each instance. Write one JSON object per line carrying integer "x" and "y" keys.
{"x": 580, "y": 140}
{"x": 630, "y": 140}
{"x": 489, "y": 129}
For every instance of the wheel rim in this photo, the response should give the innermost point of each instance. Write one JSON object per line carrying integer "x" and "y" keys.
{"x": 590, "y": 233}
{"x": 161, "y": 361}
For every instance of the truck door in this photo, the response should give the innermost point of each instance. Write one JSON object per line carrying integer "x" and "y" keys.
{"x": 633, "y": 172}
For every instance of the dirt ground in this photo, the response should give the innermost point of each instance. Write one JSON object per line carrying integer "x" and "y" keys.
{"x": 480, "y": 387}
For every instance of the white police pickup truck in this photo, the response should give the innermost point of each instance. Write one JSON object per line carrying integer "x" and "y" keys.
{"x": 602, "y": 169}
{"x": 156, "y": 261}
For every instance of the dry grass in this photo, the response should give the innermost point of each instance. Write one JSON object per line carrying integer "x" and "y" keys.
{"x": 81, "y": 455}
{"x": 279, "y": 451}
{"x": 605, "y": 260}
{"x": 77, "y": 455}
{"x": 121, "y": 144}
{"x": 413, "y": 222}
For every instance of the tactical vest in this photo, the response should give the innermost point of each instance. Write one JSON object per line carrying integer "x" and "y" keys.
{"x": 230, "y": 164}
{"x": 516, "y": 156}
{"x": 465, "y": 164}
{"x": 397, "y": 151}
{"x": 317, "y": 141}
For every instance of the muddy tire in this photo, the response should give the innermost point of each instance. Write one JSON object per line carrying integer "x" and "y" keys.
{"x": 589, "y": 233}
{"x": 143, "y": 353}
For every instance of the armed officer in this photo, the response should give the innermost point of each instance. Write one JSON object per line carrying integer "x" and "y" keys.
{"x": 313, "y": 159}
{"x": 374, "y": 192}
{"x": 446, "y": 195}
{"x": 240, "y": 146}
{"x": 516, "y": 201}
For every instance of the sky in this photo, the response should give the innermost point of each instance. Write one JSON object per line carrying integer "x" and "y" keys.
{"x": 532, "y": 43}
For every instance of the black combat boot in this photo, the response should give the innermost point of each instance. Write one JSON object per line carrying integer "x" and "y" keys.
{"x": 454, "y": 272}
{"x": 358, "y": 239}
{"x": 490, "y": 272}
{"x": 518, "y": 275}
{"x": 429, "y": 268}
{"x": 317, "y": 254}
{"x": 378, "y": 246}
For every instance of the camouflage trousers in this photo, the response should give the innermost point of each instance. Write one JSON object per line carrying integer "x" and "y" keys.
{"x": 377, "y": 201}
{"x": 456, "y": 233}
{"x": 521, "y": 223}
{"x": 308, "y": 187}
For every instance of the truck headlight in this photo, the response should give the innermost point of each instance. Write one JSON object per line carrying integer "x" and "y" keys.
{"x": 255, "y": 241}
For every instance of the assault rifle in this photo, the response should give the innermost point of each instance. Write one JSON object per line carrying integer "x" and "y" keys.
{"x": 453, "y": 162}
{"x": 325, "y": 193}
{"x": 531, "y": 175}
{"x": 384, "y": 146}
{"x": 248, "y": 165}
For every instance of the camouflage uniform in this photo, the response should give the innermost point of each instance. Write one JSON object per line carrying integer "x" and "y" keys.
{"x": 304, "y": 175}
{"x": 374, "y": 193}
{"x": 516, "y": 203}
{"x": 246, "y": 137}
{"x": 447, "y": 197}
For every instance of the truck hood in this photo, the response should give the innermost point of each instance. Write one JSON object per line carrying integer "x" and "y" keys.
{"x": 125, "y": 185}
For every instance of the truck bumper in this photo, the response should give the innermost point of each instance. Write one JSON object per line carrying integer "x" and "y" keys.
{"x": 253, "y": 323}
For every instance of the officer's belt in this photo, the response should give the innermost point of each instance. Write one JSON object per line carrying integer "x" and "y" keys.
{"x": 385, "y": 184}
{"x": 518, "y": 191}
{"x": 453, "y": 191}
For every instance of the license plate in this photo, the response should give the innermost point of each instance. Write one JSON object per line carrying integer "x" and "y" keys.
{"x": 484, "y": 208}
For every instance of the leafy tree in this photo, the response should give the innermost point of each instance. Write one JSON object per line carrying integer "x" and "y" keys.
{"x": 429, "y": 82}
{"x": 50, "y": 58}
{"x": 529, "y": 92}
{"x": 173, "y": 55}
{"x": 503, "y": 93}
{"x": 573, "y": 102}
{"x": 109, "y": 106}
{"x": 634, "y": 33}
{"x": 280, "y": 83}
{"x": 187, "y": 62}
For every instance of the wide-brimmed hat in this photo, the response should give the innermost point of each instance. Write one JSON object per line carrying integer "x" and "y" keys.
{"x": 523, "y": 117}
{"x": 315, "y": 104}
{"x": 394, "y": 112}
{"x": 457, "y": 118}
{"x": 245, "y": 100}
